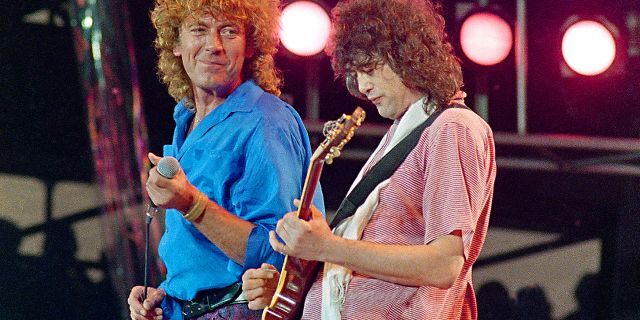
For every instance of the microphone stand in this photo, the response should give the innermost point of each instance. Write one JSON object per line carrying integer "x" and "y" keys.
{"x": 152, "y": 210}
{"x": 167, "y": 167}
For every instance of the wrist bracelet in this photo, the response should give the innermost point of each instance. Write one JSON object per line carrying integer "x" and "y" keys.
{"x": 197, "y": 208}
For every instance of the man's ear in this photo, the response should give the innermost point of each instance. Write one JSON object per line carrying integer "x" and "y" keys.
{"x": 177, "y": 48}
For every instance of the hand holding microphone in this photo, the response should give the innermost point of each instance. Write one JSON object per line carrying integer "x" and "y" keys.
{"x": 167, "y": 167}
{"x": 168, "y": 186}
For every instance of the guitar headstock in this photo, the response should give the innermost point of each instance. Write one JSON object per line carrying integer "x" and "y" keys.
{"x": 337, "y": 133}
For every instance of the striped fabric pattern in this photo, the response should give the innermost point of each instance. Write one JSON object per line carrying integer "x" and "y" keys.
{"x": 445, "y": 184}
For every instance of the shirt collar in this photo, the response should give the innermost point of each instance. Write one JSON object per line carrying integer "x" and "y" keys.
{"x": 242, "y": 99}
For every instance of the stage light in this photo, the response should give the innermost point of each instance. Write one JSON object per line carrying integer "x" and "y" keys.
{"x": 486, "y": 38}
{"x": 304, "y": 28}
{"x": 588, "y": 47}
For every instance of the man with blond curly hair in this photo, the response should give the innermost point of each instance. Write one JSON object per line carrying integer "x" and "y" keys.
{"x": 243, "y": 155}
{"x": 408, "y": 250}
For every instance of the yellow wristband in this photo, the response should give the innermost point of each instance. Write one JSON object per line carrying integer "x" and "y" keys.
{"x": 197, "y": 208}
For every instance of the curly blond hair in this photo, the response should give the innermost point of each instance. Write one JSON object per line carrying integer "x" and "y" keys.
{"x": 408, "y": 35}
{"x": 260, "y": 19}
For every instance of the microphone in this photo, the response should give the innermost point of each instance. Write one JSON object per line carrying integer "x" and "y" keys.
{"x": 351, "y": 82}
{"x": 167, "y": 167}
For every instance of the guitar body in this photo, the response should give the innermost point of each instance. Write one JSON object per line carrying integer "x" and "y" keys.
{"x": 298, "y": 275}
{"x": 295, "y": 281}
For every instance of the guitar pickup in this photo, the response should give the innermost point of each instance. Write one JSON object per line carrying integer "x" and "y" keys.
{"x": 283, "y": 307}
{"x": 293, "y": 287}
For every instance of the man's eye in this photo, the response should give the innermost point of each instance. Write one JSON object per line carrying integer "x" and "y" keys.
{"x": 198, "y": 30}
{"x": 229, "y": 32}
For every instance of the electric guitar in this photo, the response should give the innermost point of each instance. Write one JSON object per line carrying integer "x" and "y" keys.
{"x": 298, "y": 275}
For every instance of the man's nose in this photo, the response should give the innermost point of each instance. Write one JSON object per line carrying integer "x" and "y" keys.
{"x": 364, "y": 83}
{"x": 214, "y": 42}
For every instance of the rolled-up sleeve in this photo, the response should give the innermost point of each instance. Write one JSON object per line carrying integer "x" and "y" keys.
{"x": 273, "y": 175}
{"x": 259, "y": 250}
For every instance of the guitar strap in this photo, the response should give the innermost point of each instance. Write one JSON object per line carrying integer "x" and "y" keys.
{"x": 383, "y": 169}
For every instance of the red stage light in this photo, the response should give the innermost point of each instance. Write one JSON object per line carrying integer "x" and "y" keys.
{"x": 588, "y": 47}
{"x": 486, "y": 38}
{"x": 304, "y": 28}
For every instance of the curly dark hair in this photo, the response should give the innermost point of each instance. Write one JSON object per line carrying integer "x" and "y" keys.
{"x": 408, "y": 35}
{"x": 261, "y": 21}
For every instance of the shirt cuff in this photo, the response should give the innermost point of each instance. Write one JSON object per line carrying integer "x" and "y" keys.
{"x": 259, "y": 250}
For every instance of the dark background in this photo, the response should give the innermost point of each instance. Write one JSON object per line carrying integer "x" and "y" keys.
{"x": 43, "y": 130}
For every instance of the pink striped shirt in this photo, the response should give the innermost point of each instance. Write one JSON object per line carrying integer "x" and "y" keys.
{"x": 445, "y": 184}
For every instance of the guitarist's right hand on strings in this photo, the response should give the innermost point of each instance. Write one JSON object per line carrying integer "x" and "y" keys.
{"x": 259, "y": 285}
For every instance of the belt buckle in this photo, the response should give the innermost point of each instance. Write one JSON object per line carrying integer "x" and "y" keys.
{"x": 211, "y": 301}
{"x": 192, "y": 309}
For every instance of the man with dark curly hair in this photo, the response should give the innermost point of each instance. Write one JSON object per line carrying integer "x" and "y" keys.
{"x": 408, "y": 250}
{"x": 243, "y": 155}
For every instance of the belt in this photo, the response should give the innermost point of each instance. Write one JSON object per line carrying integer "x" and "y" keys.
{"x": 209, "y": 300}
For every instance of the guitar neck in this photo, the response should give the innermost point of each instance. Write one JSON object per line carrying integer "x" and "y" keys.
{"x": 309, "y": 189}
{"x": 298, "y": 275}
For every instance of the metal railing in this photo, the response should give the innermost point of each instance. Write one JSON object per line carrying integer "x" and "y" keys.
{"x": 537, "y": 152}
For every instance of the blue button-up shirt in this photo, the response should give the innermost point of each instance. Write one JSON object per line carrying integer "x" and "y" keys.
{"x": 250, "y": 155}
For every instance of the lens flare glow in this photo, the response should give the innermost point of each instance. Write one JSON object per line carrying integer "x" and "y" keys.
{"x": 304, "y": 28}
{"x": 486, "y": 38}
{"x": 588, "y": 47}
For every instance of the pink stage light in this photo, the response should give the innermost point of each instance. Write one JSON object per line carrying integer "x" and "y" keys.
{"x": 304, "y": 28}
{"x": 588, "y": 48}
{"x": 486, "y": 38}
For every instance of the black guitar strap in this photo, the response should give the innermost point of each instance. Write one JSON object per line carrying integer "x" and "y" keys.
{"x": 383, "y": 169}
